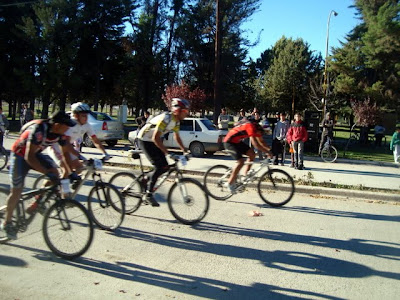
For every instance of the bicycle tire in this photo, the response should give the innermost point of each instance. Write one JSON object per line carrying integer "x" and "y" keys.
{"x": 130, "y": 188}
{"x": 106, "y": 206}
{"x": 3, "y": 206}
{"x": 60, "y": 220}
{"x": 215, "y": 185}
{"x": 329, "y": 154}
{"x": 198, "y": 204}
{"x": 3, "y": 158}
{"x": 39, "y": 182}
{"x": 278, "y": 185}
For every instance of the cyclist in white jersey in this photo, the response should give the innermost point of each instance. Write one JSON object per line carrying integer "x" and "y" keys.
{"x": 80, "y": 113}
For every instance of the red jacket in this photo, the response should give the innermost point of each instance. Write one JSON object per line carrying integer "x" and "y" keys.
{"x": 297, "y": 132}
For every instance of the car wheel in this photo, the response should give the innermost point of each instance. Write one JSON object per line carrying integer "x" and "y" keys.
{"x": 111, "y": 143}
{"x": 197, "y": 149}
{"x": 88, "y": 141}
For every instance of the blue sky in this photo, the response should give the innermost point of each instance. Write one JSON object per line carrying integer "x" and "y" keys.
{"x": 306, "y": 19}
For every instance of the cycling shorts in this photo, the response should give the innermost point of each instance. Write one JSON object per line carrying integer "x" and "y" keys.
{"x": 236, "y": 150}
{"x": 19, "y": 168}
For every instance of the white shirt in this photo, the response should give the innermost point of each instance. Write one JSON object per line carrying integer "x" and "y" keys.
{"x": 77, "y": 132}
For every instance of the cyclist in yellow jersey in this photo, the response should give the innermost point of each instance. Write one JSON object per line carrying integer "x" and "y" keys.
{"x": 151, "y": 143}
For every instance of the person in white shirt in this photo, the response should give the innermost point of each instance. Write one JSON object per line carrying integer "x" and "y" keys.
{"x": 223, "y": 120}
{"x": 80, "y": 113}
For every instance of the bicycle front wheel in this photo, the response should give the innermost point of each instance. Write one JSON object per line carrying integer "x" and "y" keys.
{"x": 3, "y": 206}
{"x": 106, "y": 206}
{"x": 68, "y": 229}
{"x": 329, "y": 154}
{"x": 130, "y": 188}
{"x": 3, "y": 158}
{"x": 276, "y": 187}
{"x": 40, "y": 182}
{"x": 187, "y": 201}
{"x": 215, "y": 181}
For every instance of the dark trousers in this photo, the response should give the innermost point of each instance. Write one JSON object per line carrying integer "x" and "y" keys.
{"x": 158, "y": 160}
{"x": 278, "y": 149}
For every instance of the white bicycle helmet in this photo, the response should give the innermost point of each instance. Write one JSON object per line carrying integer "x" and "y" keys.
{"x": 178, "y": 103}
{"x": 80, "y": 107}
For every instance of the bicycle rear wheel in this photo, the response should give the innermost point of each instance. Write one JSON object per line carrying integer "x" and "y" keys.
{"x": 68, "y": 229}
{"x": 187, "y": 201}
{"x": 106, "y": 206}
{"x": 329, "y": 154}
{"x": 3, "y": 158}
{"x": 215, "y": 180}
{"x": 276, "y": 187}
{"x": 130, "y": 188}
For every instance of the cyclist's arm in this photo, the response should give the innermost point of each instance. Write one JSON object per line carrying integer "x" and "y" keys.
{"x": 31, "y": 159}
{"x": 259, "y": 144}
{"x": 158, "y": 142}
{"x": 98, "y": 144}
{"x": 179, "y": 141}
{"x": 69, "y": 147}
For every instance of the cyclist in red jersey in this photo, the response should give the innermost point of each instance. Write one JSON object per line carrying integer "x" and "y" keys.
{"x": 234, "y": 145}
{"x": 26, "y": 154}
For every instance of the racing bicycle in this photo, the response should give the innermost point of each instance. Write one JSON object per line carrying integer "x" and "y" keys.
{"x": 275, "y": 186}
{"x": 186, "y": 199}
{"x": 105, "y": 203}
{"x": 67, "y": 227}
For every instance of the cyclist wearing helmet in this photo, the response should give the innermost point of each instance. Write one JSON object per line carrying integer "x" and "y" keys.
{"x": 151, "y": 143}
{"x": 234, "y": 145}
{"x": 26, "y": 154}
{"x": 75, "y": 135}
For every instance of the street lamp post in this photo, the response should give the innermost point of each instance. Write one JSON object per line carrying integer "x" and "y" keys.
{"x": 326, "y": 76}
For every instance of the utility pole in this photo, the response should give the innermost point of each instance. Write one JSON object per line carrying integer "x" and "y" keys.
{"x": 217, "y": 62}
{"x": 326, "y": 75}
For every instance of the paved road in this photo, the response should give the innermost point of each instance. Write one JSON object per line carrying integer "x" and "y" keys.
{"x": 313, "y": 248}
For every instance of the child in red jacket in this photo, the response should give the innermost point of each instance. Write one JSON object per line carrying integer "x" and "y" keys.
{"x": 296, "y": 136}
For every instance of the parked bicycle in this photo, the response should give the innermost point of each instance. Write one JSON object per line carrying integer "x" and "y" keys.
{"x": 105, "y": 203}
{"x": 329, "y": 152}
{"x": 275, "y": 186}
{"x": 67, "y": 227}
{"x": 186, "y": 199}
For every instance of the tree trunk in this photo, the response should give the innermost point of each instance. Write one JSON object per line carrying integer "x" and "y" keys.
{"x": 364, "y": 135}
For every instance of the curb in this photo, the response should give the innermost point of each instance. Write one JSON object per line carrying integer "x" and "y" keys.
{"x": 304, "y": 189}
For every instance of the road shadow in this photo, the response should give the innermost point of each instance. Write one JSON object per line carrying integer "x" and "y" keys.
{"x": 10, "y": 261}
{"x": 341, "y": 214}
{"x": 351, "y": 172}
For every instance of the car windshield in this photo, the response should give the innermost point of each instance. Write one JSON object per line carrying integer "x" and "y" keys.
{"x": 100, "y": 116}
{"x": 208, "y": 124}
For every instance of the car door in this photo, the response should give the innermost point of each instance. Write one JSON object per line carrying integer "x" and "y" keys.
{"x": 186, "y": 132}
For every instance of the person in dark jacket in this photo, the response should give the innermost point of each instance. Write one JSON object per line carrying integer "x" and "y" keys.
{"x": 296, "y": 136}
{"x": 327, "y": 131}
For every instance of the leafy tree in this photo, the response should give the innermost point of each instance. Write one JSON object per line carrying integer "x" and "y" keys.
{"x": 367, "y": 66}
{"x": 196, "y": 96}
{"x": 285, "y": 85}
{"x": 367, "y": 114}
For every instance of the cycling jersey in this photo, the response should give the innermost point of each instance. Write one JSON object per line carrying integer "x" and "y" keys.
{"x": 241, "y": 132}
{"x": 163, "y": 123}
{"x": 38, "y": 134}
{"x": 77, "y": 132}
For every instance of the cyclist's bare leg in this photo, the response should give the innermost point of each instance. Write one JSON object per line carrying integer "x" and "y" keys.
{"x": 236, "y": 169}
{"x": 12, "y": 202}
{"x": 251, "y": 156}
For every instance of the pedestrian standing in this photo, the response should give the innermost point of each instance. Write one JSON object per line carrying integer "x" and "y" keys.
{"x": 223, "y": 120}
{"x": 296, "y": 136}
{"x": 3, "y": 126}
{"x": 395, "y": 144}
{"x": 242, "y": 114}
{"x": 279, "y": 139}
{"x": 379, "y": 134}
{"x": 327, "y": 131}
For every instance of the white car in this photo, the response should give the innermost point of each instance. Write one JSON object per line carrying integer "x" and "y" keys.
{"x": 106, "y": 129}
{"x": 199, "y": 135}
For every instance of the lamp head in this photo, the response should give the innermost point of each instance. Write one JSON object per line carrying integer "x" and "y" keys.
{"x": 335, "y": 13}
